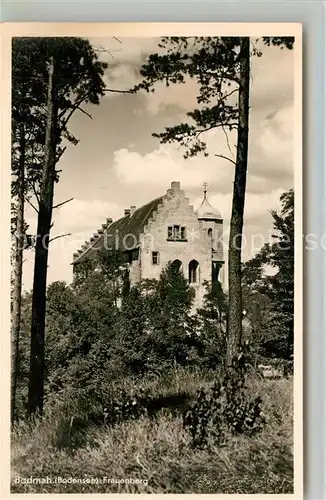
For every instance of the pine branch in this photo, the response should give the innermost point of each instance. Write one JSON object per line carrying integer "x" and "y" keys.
{"x": 119, "y": 91}
{"x": 227, "y": 138}
{"x": 59, "y": 236}
{"x": 35, "y": 192}
{"x": 226, "y": 158}
{"x": 59, "y": 156}
{"x": 31, "y": 204}
{"x": 62, "y": 203}
{"x": 73, "y": 109}
{"x": 85, "y": 113}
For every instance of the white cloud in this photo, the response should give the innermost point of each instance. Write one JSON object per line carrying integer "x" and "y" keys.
{"x": 166, "y": 163}
{"x": 83, "y": 215}
{"x": 270, "y": 158}
{"x": 181, "y": 95}
{"x": 124, "y": 58}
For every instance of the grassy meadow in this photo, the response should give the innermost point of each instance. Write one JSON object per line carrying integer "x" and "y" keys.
{"x": 155, "y": 450}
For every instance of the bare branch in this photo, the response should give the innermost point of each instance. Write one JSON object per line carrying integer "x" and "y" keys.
{"x": 35, "y": 192}
{"x": 101, "y": 49}
{"x": 59, "y": 156}
{"x": 219, "y": 125}
{"x": 226, "y": 158}
{"x": 119, "y": 91}
{"x": 60, "y": 236}
{"x": 62, "y": 203}
{"x": 73, "y": 109}
{"x": 225, "y": 96}
{"x": 31, "y": 204}
{"x": 85, "y": 113}
{"x": 227, "y": 139}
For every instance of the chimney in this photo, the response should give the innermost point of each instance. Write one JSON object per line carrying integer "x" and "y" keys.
{"x": 175, "y": 186}
{"x": 127, "y": 212}
{"x": 132, "y": 209}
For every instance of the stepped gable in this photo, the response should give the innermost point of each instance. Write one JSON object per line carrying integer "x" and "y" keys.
{"x": 118, "y": 231}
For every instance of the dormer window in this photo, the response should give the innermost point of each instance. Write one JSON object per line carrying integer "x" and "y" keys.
{"x": 176, "y": 233}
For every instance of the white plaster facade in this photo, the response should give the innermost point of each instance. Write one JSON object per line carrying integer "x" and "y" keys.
{"x": 172, "y": 232}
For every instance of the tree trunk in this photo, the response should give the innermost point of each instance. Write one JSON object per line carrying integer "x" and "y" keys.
{"x": 17, "y": 271}
{"x": 239, "y": 188}
{"x": 36, "y": 374}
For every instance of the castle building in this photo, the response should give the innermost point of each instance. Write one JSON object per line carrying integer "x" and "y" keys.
{"x": 166, "y": 229}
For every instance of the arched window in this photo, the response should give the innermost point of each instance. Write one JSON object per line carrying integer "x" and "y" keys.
{"x": 177, "y": 265}
{"x": 193, "y": 271}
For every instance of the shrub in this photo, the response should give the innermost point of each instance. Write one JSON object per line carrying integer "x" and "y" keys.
{"x": 225, "y": 407}
{"x": 125, "y": 406}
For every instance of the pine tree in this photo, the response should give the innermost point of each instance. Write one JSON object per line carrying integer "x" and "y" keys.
{"x": 221, "y": 68}
{"x": 55, "y": 77}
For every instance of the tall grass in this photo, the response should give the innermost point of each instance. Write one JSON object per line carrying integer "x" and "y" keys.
{"x": 156, "y": 452}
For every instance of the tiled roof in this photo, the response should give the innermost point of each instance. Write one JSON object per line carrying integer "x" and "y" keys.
{"x": 117, "y": 233}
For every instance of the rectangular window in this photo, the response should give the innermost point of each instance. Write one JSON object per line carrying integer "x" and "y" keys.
{"x": 155, "y": 258}
{"x": 176, "y": 232}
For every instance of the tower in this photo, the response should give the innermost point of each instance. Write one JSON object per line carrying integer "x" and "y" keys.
{"x": 212, "y": 225}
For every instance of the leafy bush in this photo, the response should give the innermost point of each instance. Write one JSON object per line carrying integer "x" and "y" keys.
{"x": 225, "y": 407}
{"x": 125, "y": 406}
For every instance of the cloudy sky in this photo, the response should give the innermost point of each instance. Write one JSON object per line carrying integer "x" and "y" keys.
{"x": 117, "y": 162}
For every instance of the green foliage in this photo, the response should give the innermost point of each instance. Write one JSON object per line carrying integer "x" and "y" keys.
{"x": 224, "y": 408}
{"x": 220, "y": 66}
{"x": 125, "y": 406}
{"x": 91, "y": 342}
{"x": 215, "y": 303}
{"x": 78, "y": 80}
{"x": 269, "y": 298}
{"x": 214, "y": 64}
{"x": 279, "y": 41}
{"x": 155, "y": 329}
{"x": 158, "y": 450}
{"x": 23, "y": 356}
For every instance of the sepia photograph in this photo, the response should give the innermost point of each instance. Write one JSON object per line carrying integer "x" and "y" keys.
{"x": 155, "y": 288}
